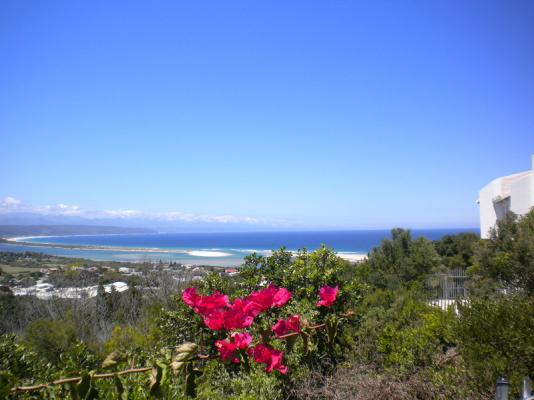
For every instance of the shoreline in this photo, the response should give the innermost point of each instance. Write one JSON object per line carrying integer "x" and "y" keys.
{"x": 198, "y": 253}
{"x": 353, "y": 257}
{"x": 20, "y": 238}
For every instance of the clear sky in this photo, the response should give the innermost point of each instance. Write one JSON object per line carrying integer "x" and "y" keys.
{"x": 314, "y": 113}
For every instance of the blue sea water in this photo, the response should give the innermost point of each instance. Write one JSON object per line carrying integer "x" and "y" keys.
{"x": 223, "y": 249}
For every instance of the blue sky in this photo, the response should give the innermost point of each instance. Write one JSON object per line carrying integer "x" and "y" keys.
{"x": 299, "y": 114}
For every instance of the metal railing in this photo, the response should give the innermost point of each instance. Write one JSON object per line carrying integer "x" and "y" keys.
{"x": 446, "y": 289}
{"x": 502, "y": 389}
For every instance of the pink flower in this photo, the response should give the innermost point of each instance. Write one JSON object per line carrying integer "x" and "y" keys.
{"x": 191, "y": 297}
{"x": 227, "y": 349}
{"x": 203, "y": 305}
{"x": 269, "y": 297}
{"x": 215, "y": 320}
{"x": 285, "y": 326}
{"x": 238, "y": 316}
{"x": 281, "y": 297}
{"x": 211, "y": 307}
{"x": 215, "y": 301}
{"x": 260, "y": 301}
{"x": 328, "y": 296}
{"x": 242, "y": 340}
{"x": 218, "y": 313}
{"x": 267, "y": 355}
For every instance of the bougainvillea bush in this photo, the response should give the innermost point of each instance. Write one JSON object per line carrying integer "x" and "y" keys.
{"x": 280, "y": 318}
{"x": 219, "y": 314}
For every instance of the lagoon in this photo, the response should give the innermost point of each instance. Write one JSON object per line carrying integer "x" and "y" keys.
{"x": 222, "y": 249}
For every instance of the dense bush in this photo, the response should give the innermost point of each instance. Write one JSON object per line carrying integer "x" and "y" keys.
{"x": 50, "y": 339}
{"x": 20, "y": 361}
{"x": 495, "y": 337}
{"x": 457, "y": 251}
{"x": 400, "y": 261}
{"x": 507, "y": 258}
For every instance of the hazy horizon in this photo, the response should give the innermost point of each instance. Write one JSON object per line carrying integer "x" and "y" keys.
{"x": 21, "y": 215}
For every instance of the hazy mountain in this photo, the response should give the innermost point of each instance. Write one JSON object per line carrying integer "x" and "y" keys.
{"x": 160, "y": 224}
{"x": 49, "y": 230}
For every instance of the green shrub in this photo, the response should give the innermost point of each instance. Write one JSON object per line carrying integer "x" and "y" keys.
{"x": 23, "y": 363}
{"x": 125, "y": 339}
{"x": 220, "y": 383}
{"x": 400, "y": 262}
{"x": 507, "y": 258}
{"x": 50, "y": 339}
{"x": 495, "y": 338}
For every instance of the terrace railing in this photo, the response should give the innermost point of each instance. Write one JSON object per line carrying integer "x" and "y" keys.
{"x": 447, "y": 288}
{"x": 502, "y": 389}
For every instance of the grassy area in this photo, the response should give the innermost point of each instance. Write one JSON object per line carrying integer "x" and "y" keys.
{"x": 10, "y": 269}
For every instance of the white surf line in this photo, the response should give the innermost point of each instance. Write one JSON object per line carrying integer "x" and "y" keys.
{"x": 194, "y": 253}
{"x": 207, "y": 253}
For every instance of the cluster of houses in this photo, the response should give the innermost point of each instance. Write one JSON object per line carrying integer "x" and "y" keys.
{"x": 44, "y": 288}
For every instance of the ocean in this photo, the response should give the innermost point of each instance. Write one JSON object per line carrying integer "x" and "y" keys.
{"x": 222, "y": 249}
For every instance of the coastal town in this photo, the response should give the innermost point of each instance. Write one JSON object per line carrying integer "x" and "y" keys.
{"x": 45, "y": 276}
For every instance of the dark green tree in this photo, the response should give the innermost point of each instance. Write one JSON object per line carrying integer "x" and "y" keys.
{"x": 400, "y": 261}
{"x": 457, "y": 251}
{"x": 507, "y": 257}
{"x": 50, "y": 339}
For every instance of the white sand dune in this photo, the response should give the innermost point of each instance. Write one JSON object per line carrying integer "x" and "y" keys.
{"x": 352, "y": 257}
{"x": 207, "y": 253}
{"x": 22, "y": 238}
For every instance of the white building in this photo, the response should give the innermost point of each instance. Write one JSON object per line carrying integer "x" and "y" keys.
{"x": 509, "y": 193}
{"x": 47, "y": 291}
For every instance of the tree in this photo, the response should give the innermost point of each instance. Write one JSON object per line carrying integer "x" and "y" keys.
{"x": 50, "y": 339}
{"x": 507, "y": 257}
{"x": 400, "y": 261}
{"x": 125, "y": 338}
{"x": 8, "y": 310}
{"x": 495, "y": 337}
{"x": 457, "y": 251}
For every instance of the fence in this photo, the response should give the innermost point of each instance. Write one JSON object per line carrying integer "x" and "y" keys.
{"x": 446, "y": 289}
{"x": 501, "y": 392}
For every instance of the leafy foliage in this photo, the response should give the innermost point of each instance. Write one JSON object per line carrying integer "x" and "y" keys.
{"x": 400, "y": 261}
{"x": 51, "y": 339}
{"x": 457, "y": 251}
{"x": 507, "y": 258}
{"x": 496, "y": 337}
{"x": 377, "y": 336}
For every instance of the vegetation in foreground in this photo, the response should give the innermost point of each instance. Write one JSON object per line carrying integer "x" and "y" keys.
{"x": 377, "y": 338}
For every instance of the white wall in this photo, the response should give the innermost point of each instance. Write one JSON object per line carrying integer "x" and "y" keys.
{"x": 488, "y": 213}
{"x": 522, "y": 195}
{"x": 516, "y": 193}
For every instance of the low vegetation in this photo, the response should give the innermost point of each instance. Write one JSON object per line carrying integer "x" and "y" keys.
{"x": 310, "y": 326}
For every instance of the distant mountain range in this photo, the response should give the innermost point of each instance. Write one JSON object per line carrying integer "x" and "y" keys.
{"x": 51, "y": 230}
{"x": 159, "y": 224}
